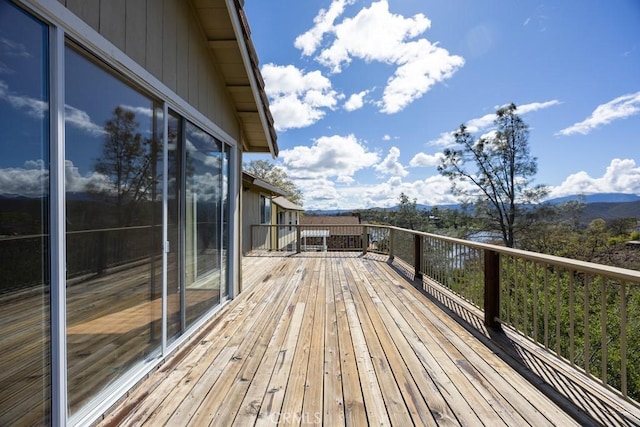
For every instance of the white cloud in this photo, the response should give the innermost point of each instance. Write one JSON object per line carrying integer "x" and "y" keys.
{"x": 323, "y": 194}
{"x": 621, "y": 176}
{"x": 386, "y": 137}
{"x": 445, "y": 139}
{"x": 319, "y": 193}
{"x": 390, "y": 165}
{"x": 535, "y": 106}
{"x": 355, "y": 101}
{"x": 4, "y": 69}
{"x": 419, "y": 63}
{"x": 622, "y": 107}
{"x": 75, "y": 182}
{"x": 81, "y": 120}
{"x": 33, "y": 107}
{"x": 426, "y": 160}
{"x": 206, "y": 186}
{"x": 329, "y": 156}
{"x": 361, "y": 36}
{"x": 310, "y": 41}
{"x": 297, "y": 99}
{"x": 480, "y": 123}
{"x": 485, "y": 123}
{"x": 422, "y": 65}
{"x": 11, "y": 48}
{"x": 142, "y": 111}
{"x": 29, "y": 181}
{"x": 32, "y": 180}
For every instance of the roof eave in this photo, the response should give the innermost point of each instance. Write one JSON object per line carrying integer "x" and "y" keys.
{"x": 251, "y": 63}
{"x": 229, "y": 39}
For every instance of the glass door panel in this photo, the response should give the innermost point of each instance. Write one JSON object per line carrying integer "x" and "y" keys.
{"x": 175, "y": 296}
{"x": 114, "y": 239}
{"x": 25, "y": 379}
{"x": 203, "y": 219}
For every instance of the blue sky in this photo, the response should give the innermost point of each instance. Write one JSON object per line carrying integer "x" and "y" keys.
{"x": 365, "y": 94}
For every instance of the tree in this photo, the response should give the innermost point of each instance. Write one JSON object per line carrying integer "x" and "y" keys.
{"x": 552, "y": 229}
{"x": 277, "y": 176}
{"x": 503, "y": 173}
{"x": 407, "y": 215}
{"x": 128, "y": 160}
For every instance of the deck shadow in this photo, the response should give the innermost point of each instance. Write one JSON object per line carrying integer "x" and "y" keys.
{"x": 585, "y": 400}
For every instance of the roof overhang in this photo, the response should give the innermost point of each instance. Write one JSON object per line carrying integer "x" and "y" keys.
{"x": 250, "y": 181}
{"x": 227, "y": 30}
{"x": 284, "y": 203}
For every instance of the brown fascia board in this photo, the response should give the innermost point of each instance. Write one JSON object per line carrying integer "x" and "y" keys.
{"x": 255, "y": 69}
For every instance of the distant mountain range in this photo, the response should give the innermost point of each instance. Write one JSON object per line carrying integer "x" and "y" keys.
{"x": 597, "y": 198}
{"x": 602, "y": 205}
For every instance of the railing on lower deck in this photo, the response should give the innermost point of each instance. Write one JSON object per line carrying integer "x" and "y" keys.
{"x": 585, "y": 313}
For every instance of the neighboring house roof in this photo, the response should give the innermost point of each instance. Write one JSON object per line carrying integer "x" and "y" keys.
{"x": 250, "y": 181}
{"x": 286, "y": 204}
{"x": 351, "y": 224}
{"x": 226, "y": 28}
{"x": 329, "y": 220}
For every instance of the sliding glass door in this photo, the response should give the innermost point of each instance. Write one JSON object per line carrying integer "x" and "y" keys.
{"x": 196, "y": 203}
{"x": 202, "y": 219}
{"x": 25, "y": 377}
{"x": 84, "y": 260}
{"x": 114, "y": 227}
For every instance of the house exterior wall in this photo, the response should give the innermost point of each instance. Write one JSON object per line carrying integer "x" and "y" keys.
{"x": 107, "y": 267}
{"x": 164, "y": 39}
{"x": 250, "y": 216}
{"x": 286, "y": 235}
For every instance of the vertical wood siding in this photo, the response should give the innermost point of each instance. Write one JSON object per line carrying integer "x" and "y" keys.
{"x": 164, "y": 37}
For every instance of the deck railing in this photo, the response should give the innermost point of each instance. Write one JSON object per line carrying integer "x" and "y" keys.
{"x": 585, "y": 313}
{"x": 88, "y": 252}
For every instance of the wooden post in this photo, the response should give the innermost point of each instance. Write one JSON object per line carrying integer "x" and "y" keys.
{"x": 298, "y": 239}
{"x": 365, "y": 239}
{"x": 417, "y": 255}
{"x": 491, "y": 289}
{"x": 391, "y": 245}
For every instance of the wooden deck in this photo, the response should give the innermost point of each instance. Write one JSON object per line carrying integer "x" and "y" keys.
{"x": 336, "y": 339}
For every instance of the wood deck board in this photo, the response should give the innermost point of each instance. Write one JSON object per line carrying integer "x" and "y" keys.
{"x": 337, "y": 339}
{"x": 495, "y": 377}
{"x": 445, "y": 360}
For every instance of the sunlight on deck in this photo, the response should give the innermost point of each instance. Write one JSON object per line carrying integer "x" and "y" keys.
{"x": 335, "y": 339}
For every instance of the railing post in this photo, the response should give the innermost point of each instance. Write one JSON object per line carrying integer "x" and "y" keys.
{"x": 491, "y": 289}
{"x": 417, "y": 255}
{"x": 365, "y": 239}
{"x": 391, "y": 245}
{"x": 298, "y": 239}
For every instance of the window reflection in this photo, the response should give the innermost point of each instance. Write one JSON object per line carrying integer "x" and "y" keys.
{"x": 226, "y": 212}
{"x": 176, "y": 322}
{"x": 114, "y": 233}
{"x": 24, "y": 212}
{"x": 203, "y": 219}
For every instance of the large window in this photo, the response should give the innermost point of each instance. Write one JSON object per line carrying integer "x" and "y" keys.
{"x": 24, "y": 212}
{"x": 115, "y": 218}
{"x": 197, "y": 201}
{"x": 114, "y": 233}
{"x": 265, "y": 209}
